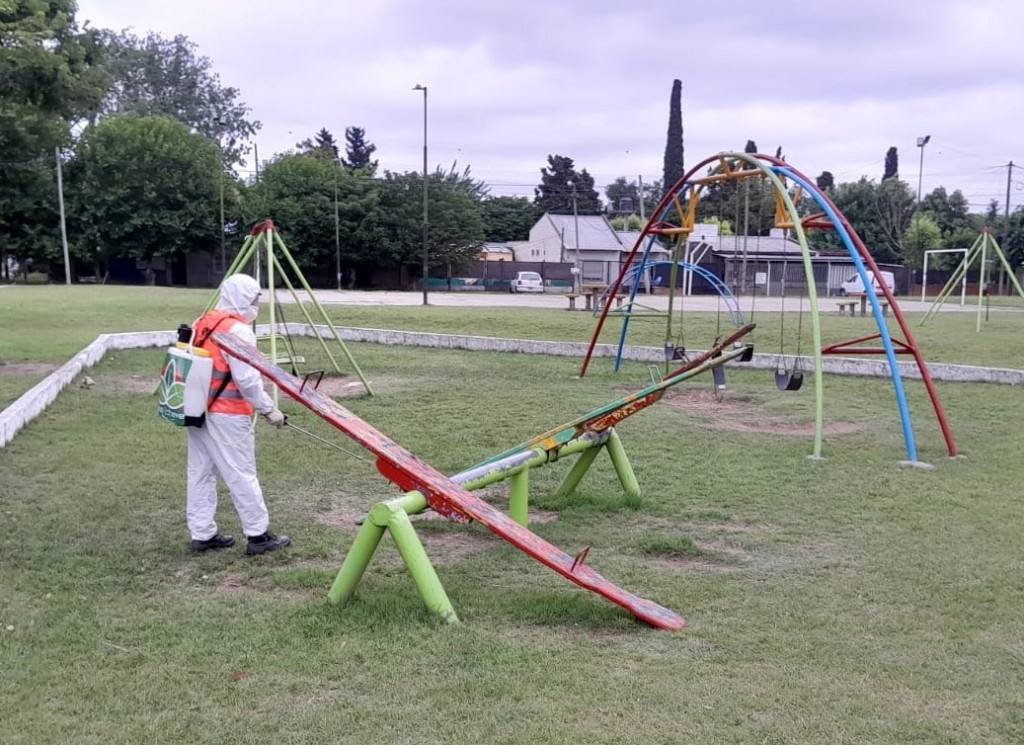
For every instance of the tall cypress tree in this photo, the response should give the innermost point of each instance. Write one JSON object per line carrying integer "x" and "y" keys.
{"x": 892, "y": 165}
{"x": 674, "y": 169}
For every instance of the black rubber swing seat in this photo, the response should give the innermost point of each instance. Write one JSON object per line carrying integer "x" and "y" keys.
{"x": 787, "y": 381}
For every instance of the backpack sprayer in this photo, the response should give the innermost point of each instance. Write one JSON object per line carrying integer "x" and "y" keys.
{"x": 185, "y": 381}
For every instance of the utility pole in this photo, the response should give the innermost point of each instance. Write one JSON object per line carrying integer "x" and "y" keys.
{"x": 337, "y": 230}
{"x": 576, "y": 222}
{"x": 640, "y": 180}
{"x": 1006, "y": 219}
{"x": 426, "y": 223}
{"x": 63, "y": 225}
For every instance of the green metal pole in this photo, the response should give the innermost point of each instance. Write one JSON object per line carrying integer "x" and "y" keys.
{"x": 418, "y": 563}
{"x": 320, "y": 308}
{"x": 623, "y": 468}
{"x": 356, "y": 561}
{"x": 981, "y": 282}
{"x": 519, "y": 496}
{"x": 576, "y": 473}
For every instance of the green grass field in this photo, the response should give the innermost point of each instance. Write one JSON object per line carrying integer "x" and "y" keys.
{"x": 843, "y": 601}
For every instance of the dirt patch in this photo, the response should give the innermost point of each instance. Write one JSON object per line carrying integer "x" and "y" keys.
{"x": 739, "y": 413}
{"x": 26, "y": 368}
{"x": 445, "y": 546}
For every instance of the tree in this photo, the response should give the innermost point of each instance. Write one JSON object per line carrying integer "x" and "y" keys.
{"x": 558, "y": 183}
{"x": 508, "y": 218}
{"x": 322, "y": 145}
{"x": 358, "y": 151}
{"x": 50, "y": 76}
{"x": 826, "y": 181}
{"x": 880, "y": 213}
{"x": 892, "y": 165}
{"x": 750, "y": 147}
{"x": 165, "y": 77}
{"x": 674, "y": 169}
{"x": 922, "y": 235}
{"x": 297, "y": 192}
{"x": 619, "y": 191}
{"x": 142, "y": 188}
{"x": 456, "y": 219}
{"x": 950, "y": 214}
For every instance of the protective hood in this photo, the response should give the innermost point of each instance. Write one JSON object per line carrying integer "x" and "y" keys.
{"x": 238, "y": 293}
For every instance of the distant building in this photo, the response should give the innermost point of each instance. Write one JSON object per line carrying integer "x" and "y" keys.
{"x": 496, "y": 252}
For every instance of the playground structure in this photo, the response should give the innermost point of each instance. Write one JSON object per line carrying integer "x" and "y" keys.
{"x": 673, "y": 221}
{"x": 451, "y": 497}
{"x": 260, "y": 252}
{"x": 979, "y": 252}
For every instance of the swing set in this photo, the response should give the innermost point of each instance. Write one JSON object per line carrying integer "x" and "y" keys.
{"x": 673, "y": 221}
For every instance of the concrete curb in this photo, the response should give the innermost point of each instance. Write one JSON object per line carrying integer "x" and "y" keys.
{"x": 32, "y": 403}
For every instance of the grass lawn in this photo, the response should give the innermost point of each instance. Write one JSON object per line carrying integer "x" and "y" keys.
{"x": 844, "y": 601}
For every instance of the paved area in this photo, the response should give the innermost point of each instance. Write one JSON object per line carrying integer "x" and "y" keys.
{"x": 558, "y": 301}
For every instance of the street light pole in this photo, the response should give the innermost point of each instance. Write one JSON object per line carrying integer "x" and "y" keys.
{"x": 921, "y": 142}
{"x": 576, "y": 222}
{"x": 426, "y": 222}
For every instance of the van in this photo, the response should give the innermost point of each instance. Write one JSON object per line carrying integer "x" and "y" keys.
{"x": 853, "y": 285}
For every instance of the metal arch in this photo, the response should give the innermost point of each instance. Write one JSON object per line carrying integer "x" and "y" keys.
{"x": 757, "y": 164}
{"x": 751, "y": 166}
{"x": 735, "y": 313}
{"x": 858, "y": 250}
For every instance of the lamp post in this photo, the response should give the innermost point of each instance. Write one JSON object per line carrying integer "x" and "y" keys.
{"x": 426, "y": 223}
{"x": 921, "y": 142}
{"x": 576, "y": 222}
{"x": 220, "y": 162}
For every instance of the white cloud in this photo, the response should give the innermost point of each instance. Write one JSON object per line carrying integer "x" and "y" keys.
{"x": 835, "y": 84}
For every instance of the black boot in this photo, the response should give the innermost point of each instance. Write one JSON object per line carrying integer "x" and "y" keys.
{"x": 260, "y": 544}
{"x": 218, "y": 541}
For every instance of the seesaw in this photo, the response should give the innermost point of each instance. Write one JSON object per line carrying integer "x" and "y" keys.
{"x": 451, "y": 497}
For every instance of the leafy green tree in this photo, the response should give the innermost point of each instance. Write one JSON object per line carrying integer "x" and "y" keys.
{"x": 167, "y": 77}
{"x": 456, "y": 219}
{"x": 296, "y": 191}
{"x": 49, "y": 77}
{"x": 509, "y": 218}
{"x": 559, "y": 181}
{"x": 750, "y": 147}
{"x": 826, "y": 181}
{"x": 358, "y": 151}
{"x": 922, "y": 235}
{"x": 142, "y": 188}
{"x": 880, "y": 213}
{"x": 950, "y": 212}
{"x": 892, "y": 165}
{"x": 673, "y": 168}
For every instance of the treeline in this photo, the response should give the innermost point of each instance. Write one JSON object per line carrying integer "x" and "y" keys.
{"x": 150, "y": 144}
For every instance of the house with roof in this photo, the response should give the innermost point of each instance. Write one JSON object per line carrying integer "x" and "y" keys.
{"x": 588, "y": 242}
{"x": 492, "y": 251}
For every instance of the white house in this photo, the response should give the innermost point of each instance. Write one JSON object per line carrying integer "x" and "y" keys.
{"x": 587, "y": 241}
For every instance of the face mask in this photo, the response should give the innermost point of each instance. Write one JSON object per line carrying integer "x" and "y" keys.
{"x": 250, "y": 313}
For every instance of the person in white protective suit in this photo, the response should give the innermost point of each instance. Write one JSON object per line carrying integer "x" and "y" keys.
{"x": 226, "y": 445}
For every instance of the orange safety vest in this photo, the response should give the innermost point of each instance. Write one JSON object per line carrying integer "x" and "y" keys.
{"x": 225, "y": 397}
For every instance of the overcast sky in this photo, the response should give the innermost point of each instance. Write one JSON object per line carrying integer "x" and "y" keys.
{"x": 835, "y": 84}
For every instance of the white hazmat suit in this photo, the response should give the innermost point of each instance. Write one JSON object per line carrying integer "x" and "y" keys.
{"x": 226, "y": 445}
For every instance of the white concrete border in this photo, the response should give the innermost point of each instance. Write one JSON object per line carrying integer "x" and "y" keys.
{"x": 35, "y": 401}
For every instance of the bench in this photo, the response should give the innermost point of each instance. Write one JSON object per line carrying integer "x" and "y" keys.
{"x": 572, "y": 301}
{"x": 863, "y": 302}
{"x": 592, "y": 300}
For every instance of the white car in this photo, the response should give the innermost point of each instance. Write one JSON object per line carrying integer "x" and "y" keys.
{"x": 526, "y": 282}
{"x": 853, "y": 285}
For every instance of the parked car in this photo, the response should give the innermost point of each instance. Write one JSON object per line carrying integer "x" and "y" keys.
{"x": 853, "y": 285}
{"x": 526, "y": 282}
